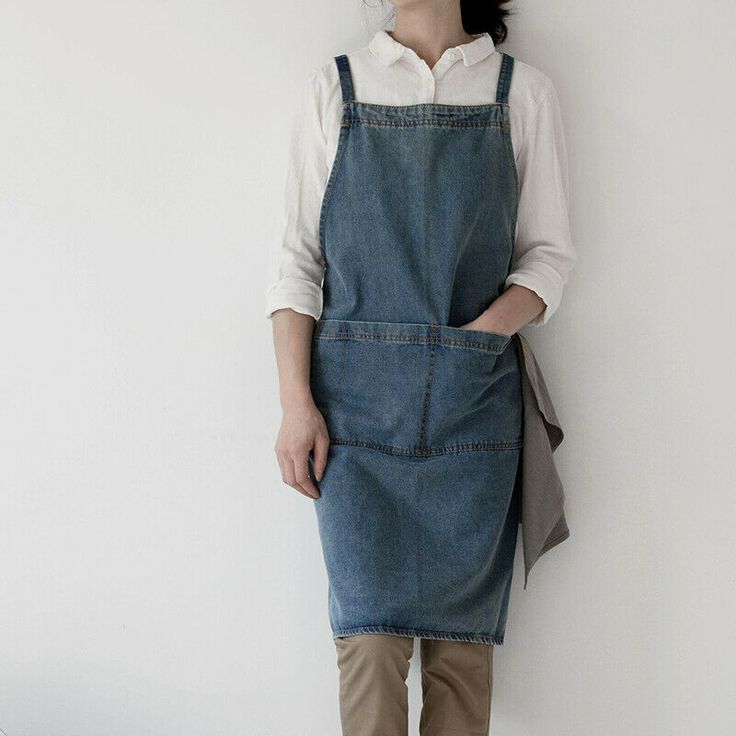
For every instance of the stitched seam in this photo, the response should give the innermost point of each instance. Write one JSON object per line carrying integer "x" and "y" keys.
{"x": 517, "y": 187}
{"x": 424, "y": 451}
{"x": 422, "y": 633}
{"x": 445, "y": 108}
{"x": 412, "y": 339}
{"x": 425, "y": 402}
{"x": 423, "y": 123}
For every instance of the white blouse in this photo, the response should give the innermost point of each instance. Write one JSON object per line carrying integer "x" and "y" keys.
{"x": 387, "y": 72}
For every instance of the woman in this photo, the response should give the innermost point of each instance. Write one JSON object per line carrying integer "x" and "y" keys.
{"x": 425, "y": 224}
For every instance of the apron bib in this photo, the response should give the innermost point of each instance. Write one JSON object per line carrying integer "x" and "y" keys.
{"x": 417, "y": 515}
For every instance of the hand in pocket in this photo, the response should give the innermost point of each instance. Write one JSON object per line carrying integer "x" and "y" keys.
{"x": 484, "y": 324}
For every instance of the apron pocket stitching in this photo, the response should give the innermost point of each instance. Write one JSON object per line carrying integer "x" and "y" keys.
{"x": 418, "y": 339}
{"x": 490, "y": 445}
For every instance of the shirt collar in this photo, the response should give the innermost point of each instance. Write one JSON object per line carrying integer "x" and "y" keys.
{"x": 388, "y": 50}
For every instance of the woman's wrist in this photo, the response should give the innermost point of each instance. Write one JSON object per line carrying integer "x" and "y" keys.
{"x": 513, "y": 309}
{"x": 296, "y": 397}
{"x": 491, "y": 321}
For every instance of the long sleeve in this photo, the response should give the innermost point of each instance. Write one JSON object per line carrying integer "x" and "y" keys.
{"x": 296, "y": 266}
{"x": 544, "y": 253}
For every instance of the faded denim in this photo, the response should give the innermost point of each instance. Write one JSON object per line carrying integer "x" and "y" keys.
{"x": 417, "y": 515}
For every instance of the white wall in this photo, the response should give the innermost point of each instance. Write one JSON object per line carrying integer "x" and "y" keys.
{"x": 156, "y": 576}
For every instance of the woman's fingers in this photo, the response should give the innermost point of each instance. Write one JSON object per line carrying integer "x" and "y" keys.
{"x": 321, "y": 446}
{"x": 302, "y": 430}
{"x": 288, "y": 474}
{"x": 301, "y": 472}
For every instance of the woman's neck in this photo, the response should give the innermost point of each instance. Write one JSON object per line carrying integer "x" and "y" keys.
{"x": 429, "y": 28}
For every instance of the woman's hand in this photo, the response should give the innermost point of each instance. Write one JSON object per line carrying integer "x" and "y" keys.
{"x": 485, "y": 324}
{"x": 303, "y": 428}
{"x": 508, "y": 312}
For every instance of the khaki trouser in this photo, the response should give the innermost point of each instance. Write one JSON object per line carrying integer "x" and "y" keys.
{"x": 457, "y": 684}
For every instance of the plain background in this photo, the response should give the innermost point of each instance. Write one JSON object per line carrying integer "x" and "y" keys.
{"x": 156, "y": 575}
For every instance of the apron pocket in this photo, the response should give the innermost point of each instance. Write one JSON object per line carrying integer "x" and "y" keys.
{"x": 368, "y": 379}
{"x": 476, "y": 399}
{"x": 415, "y": 388}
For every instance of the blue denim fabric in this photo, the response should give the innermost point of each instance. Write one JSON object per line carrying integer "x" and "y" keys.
{"x": 417, "y": 515}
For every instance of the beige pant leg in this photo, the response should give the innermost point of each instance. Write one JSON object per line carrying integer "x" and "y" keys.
{"x": 373, "y": 695}
{"x": 457, "y": 685}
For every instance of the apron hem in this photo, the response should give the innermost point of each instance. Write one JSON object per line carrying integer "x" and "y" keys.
{"x": 420, "y": 633}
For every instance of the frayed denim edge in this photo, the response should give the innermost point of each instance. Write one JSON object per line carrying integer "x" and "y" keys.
{"x": 421, "y": 633}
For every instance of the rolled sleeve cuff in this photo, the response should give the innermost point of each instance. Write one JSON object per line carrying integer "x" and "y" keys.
{"x": 546, "y": 283}
{"x": 302, "y": 296}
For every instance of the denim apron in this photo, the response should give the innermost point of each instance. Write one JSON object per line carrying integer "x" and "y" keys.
{"x": 417, "y": 515}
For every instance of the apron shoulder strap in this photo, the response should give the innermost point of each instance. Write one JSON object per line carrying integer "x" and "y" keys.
{"x": 504, "y": 78}
{"x": 346, "y": 78}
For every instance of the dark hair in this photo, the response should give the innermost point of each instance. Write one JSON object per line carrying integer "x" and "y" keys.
{"x": 485, "y": 16}
{"x": 478, "y": 16}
